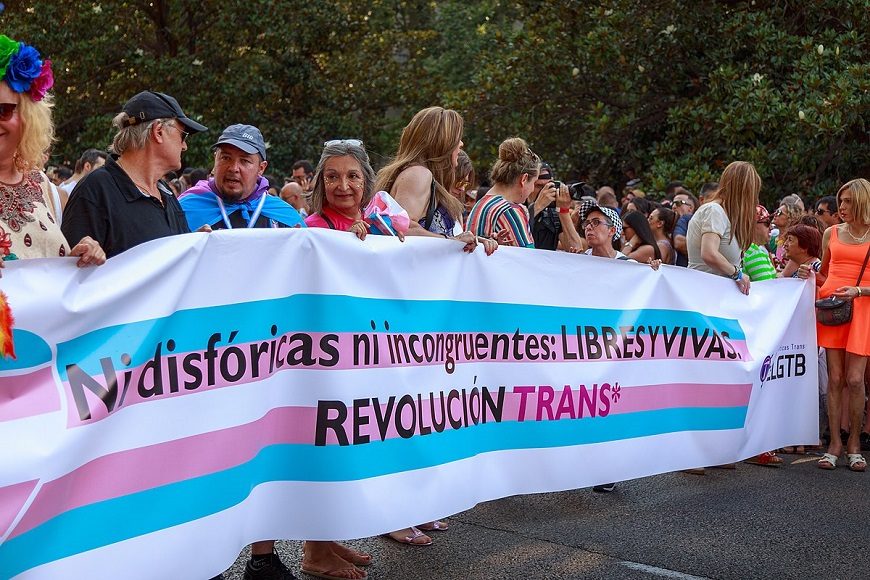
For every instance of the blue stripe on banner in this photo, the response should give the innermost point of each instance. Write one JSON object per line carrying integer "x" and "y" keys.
{"x": 90, "y": 527}
{"x": 30, "y": 351}
{"x": 326, "y": 313}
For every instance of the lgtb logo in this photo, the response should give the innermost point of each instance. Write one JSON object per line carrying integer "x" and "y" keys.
{"x": 782, "y": 367}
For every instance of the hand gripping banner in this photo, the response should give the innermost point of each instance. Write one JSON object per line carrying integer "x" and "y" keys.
{"x": 208, "y": 390}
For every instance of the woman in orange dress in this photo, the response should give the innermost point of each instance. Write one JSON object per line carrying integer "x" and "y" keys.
{"x": 844, "y": 249}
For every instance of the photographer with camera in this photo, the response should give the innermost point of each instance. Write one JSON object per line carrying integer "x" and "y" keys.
{"x": 551, "y": 213}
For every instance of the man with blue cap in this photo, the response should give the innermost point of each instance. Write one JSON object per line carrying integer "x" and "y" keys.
{"x": 237, "y": 196}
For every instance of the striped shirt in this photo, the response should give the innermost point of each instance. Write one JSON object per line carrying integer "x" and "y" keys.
{"x": 493, "y": 213}
{"x": 757, "y": 264}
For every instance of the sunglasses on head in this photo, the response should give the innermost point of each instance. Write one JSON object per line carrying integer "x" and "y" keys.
{"x": 6, "y": 110}
{"x": 351, "y": 142}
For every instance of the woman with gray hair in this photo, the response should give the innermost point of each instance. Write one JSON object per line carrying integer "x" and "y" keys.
{"x": 343, "y": 185}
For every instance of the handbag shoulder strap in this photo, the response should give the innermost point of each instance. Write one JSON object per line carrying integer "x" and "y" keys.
{"x": 328, "y": 221}
{"x": 433, "y": 204}
{"x": 863, "y": 266}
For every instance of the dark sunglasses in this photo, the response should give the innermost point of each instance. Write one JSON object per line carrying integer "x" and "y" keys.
{"x": 824, "y": 211}
{"x": 6, "y": 110}
{"x": 184, "y": 134}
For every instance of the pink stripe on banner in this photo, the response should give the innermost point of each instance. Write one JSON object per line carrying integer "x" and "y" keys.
{"x": 652, "y": 397}
{"x": 244, "y": 363}
{"x": 12, "y": 499}
{"x": 134, "y": 470}
{"x": 28, "y": 394}
{"x": 130, "y": 471}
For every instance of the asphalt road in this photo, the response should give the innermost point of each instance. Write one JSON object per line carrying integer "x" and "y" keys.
{"x": 796, "y": 521}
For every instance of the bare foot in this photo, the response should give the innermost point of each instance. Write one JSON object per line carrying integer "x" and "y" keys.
{"x": 326, "y": 563}
{"x": 351, "y": 555}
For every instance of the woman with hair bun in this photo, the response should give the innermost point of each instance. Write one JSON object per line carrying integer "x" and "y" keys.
{"x": 503, "y": 208}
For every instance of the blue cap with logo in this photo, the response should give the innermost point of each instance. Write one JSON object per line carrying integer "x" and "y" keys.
{"x": 246, "y": 137}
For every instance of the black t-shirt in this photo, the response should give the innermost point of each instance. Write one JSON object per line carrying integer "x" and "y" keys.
{"x": 107, "y": 206}
{"x": 546, "y": 228}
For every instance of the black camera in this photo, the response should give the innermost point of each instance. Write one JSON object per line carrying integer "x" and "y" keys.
{"x": 557, "y": 185}
{"x": 581, "y": 189}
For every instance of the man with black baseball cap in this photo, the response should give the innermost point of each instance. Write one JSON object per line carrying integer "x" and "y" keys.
{"x": 237, "y": 196}
{"x": 126, "y": 202}
{"x": 150, "y": 105}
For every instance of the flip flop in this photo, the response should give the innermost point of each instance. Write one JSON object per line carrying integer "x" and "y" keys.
{"x": 436, "y": 526}
{"x": 327, "y": 576}
{"x": 409, "y": 539}
{"x": 828, "y": 461}
{"x": 856, "y": 462}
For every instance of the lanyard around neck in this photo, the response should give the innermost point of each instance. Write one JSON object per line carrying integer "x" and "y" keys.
{"x": 254, "y": 217}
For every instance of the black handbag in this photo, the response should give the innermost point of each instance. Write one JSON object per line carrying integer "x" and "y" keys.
{"x": 834, "y": 311}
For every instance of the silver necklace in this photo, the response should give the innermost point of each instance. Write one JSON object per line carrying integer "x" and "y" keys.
{"x": 856, "y": 238}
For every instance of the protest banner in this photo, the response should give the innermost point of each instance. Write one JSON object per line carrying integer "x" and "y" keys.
{"x": 200, "y": 392}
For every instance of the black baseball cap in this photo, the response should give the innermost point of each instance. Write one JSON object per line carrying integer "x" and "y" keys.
{"x": 149, "y": 105}
{"x": 246, "y": 137}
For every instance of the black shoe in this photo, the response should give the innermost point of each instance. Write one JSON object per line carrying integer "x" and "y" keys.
{"x": 604, "y": 488}
{"x": 865, "y": 441}
{"x": 271, "y": 568}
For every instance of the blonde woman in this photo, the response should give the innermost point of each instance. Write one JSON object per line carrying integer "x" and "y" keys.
{"x": 30, "y": 206}
{"x": 722, "y": 230}
{"x": 423, "y": 172}
{"x": 845, "y": 248}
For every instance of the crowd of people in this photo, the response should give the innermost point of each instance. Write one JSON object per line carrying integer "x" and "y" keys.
{"x": 113, "y": 201}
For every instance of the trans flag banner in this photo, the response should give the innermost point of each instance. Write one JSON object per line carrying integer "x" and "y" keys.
{"x": 201, "y": 392}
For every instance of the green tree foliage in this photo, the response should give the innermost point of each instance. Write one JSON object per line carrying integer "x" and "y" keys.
{"x": 674, "y": 89}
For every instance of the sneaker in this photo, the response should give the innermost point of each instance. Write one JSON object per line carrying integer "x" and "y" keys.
{"x": 271, "y": 569}
{"x": 604, "y": 488}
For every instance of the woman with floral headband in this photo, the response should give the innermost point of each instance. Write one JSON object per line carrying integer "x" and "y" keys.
{"x": 29, "y": 207}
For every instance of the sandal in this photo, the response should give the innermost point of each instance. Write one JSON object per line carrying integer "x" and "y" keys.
{"x": 436, "y": 526}
{"x": 333, "y": 574}
{"x": 856, "y": 462}
{"x": 828, "y": 461}
{"x": 767, "y": 459}
{"x": 411, "y": 538}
